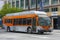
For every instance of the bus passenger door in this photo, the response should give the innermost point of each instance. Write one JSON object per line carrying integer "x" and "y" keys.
{"x": 34, "y": 25}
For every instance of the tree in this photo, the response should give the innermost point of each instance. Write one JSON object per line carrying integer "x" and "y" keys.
{"x": 6, "y": 9}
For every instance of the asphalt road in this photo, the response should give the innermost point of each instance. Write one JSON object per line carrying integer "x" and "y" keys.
{"x": 55, "y": 35}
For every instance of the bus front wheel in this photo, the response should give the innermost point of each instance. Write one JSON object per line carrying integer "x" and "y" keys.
{"x": 40, "y": 32}
{"x": 8, "y": 29}
{"x": 29, "y": 30}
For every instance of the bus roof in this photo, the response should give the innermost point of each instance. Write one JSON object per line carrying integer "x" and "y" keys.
{"x": 27, "y": 12}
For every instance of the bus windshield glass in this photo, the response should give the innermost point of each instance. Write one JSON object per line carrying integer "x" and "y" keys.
{"x": 44, "y": 21}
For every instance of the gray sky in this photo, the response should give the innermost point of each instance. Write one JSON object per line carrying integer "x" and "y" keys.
{"x": 1, "y": 4}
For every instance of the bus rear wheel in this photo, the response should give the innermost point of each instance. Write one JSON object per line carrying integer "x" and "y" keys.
{"x": 29, "y": 30}
{"x": 8, "y": 29}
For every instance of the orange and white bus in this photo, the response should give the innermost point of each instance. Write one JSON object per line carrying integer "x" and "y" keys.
{"x": 28, "y": 21}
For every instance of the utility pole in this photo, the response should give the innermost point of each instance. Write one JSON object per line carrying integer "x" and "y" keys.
{"x": 28, "y": 5}
{"x": 36, "y": 4}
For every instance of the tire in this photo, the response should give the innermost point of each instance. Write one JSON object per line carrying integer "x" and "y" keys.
{"x": 29, "y": 30}
{"x": 8, "y": 29}
{"x": 40, "y": 32}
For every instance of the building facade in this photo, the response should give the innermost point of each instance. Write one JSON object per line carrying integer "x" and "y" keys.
{"x": 1, "y": 4}
{"x": 23, "y": 3}
{"x": 52, "y": 7}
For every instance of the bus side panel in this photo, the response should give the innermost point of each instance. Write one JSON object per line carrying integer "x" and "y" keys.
{"x": 8, "y": 24}
{"x": 19, "y": 28}
{"x": 5, "y": 26}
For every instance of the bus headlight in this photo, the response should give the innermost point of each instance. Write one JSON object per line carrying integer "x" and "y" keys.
{"x": 51, "y": 28}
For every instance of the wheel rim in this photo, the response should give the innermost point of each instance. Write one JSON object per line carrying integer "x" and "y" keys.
{"x": 8, "y": 29}
{"x": 29, "y": 30}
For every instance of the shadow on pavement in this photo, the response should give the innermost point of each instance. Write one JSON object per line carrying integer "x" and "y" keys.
{"x": 46, "y": 33}
{"x": 4, "y": 31}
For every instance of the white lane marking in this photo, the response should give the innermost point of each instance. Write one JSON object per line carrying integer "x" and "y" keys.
{"x": 40, "y": 37}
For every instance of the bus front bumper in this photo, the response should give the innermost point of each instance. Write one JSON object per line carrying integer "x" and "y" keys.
{"x": 45, "y": 30}
{"x": 50, "y": 30}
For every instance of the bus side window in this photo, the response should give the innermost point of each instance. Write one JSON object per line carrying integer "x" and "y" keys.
{"x": 15, "y": 21}
{"x": 24, "y": 21}
{"x": 20, "y": 21}
{"x": 8, "y": 20}
{"x": 5, "y": 21}
{"x": 29, "y": 21}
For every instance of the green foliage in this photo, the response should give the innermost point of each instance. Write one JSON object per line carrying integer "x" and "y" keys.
{"x": 7, "y": 9}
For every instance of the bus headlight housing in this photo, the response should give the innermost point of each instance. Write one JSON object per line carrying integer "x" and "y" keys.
{"x": 51, "y": 28}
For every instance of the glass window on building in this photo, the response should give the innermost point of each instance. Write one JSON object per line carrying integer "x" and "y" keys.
{"x": 54, "y": 1}
{"x": 26, "y": 2}
{"x": 46, "y": 10}
{"x": 13, "y": 3}
{"x": 33, "y": 3}
{"x": 54, "y": 9}
{"x": 9, "y": 1}
{"x": 46, "y": 2}
{"x": 17, "y": 3}
{"x": 38, "y": 2}
{"x": 21, "y": 3}
{"x": 59, "y": 1}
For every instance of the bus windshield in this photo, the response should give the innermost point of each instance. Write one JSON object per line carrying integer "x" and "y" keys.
{"x": 44, "y": 21}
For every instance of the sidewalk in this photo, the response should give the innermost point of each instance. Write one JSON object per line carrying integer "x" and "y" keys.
{"x": 57, "y": 30}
